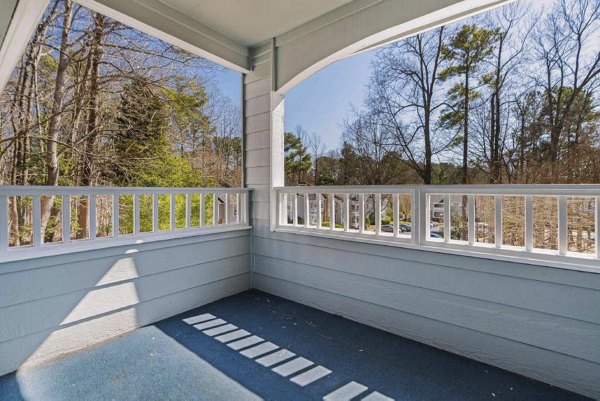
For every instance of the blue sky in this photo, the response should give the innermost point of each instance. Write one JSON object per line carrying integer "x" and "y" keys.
{"x": 229, "y": 83}
{"x": 320, "y": 103}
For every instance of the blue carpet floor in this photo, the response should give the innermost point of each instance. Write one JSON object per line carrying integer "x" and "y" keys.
{"x": 265, "y": 347}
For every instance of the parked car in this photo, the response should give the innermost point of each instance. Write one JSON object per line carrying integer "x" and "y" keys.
{"x": 387, "y": 228}
{"x": 405, "y": 228}
{"x": 434, "y": 234}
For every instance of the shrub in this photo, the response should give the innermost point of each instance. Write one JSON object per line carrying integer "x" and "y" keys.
{"x": 326, "y": 224}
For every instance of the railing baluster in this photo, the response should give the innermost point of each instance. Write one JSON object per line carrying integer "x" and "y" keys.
{"x": 471, "y": 218}
{"x": 562, "y": 225}
{"x": 331, "y": 211}
{"x": 173, "y": 212}
{"x": 202, "y": 210}
{"x": 446, "y": 217}
{"x": 295, "y": 209}
{"x": 528, "y": 223}
{"x": 246, "y": 208}
{"x": 215, "y": 209}
{"x": 306, "y": 209}
{"x": 226, "y": 204}
{"x": 283, "y": 208}
{"x": 377, "y": 213}
{"x": 319, "y": 211}
{"x": 37, "y": 221}
{"x": 115, "y": 216}
{"x": 66, "y": 219}
{"x": 346, "y": 212}
{"x": 396, "y": 213}
{"x": 427, "y": 200}
{"x": 4, "y": 234}
{"x": 188, "y": 210}
{"x": 136, "y": 214}
{"x": 498, "y": 221}
{"x": 155, "y": 215}
{"x": 361, "y": 213}
{"x": 238, "y": 208}
{"x": 92, "y": 208}
{"x": 419, "y": 220}
{"x": 597, "y": 226}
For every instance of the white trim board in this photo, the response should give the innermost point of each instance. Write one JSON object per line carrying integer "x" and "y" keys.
{"x": 22, "y": 26}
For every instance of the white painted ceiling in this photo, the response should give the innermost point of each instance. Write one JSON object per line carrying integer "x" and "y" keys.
{"x": 259, "y": 20}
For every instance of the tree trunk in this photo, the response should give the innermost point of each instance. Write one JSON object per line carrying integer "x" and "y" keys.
{"x": 55, "y": 115}
{"x": 428, "y": 168}
{"x": 465, "y": 179}
{"x": 87, "y": 178}
{"x": 465, "y": 163}
{"x": 497, "y": 146}
{"x": 14, "y": 214}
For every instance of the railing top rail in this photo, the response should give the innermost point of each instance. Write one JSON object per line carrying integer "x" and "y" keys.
{"x": 349, "y": 189}
{"x": 503, "y": 189}
{"x": 12, "y": 190}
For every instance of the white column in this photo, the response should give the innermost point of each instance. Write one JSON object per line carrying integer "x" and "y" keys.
{"x": 263, "y": 139}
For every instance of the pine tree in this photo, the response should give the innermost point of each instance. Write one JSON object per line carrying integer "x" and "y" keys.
{"x": 465, "y": 52}
{"x": 297, "y": 159}
{"x": 141, "y": 138}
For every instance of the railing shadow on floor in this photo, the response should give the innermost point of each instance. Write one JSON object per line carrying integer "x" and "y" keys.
{"x": 360, "y": 360}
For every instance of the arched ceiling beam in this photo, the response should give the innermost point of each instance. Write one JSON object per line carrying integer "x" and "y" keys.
{"x": 358, "y": 26}
{"x": 22, "y": 19}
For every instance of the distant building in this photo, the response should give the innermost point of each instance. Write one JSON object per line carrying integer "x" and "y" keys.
{"x": 354, "y": 209}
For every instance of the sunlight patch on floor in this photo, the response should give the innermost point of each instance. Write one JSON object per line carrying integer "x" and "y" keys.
{"x": 285, "y": 363}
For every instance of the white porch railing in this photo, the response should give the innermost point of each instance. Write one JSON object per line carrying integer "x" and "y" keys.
{"x": 556, "y": 223}
{"x": 34, "y": 217}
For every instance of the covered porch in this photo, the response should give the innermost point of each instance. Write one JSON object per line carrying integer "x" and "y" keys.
{"x": 407, "y": 312}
